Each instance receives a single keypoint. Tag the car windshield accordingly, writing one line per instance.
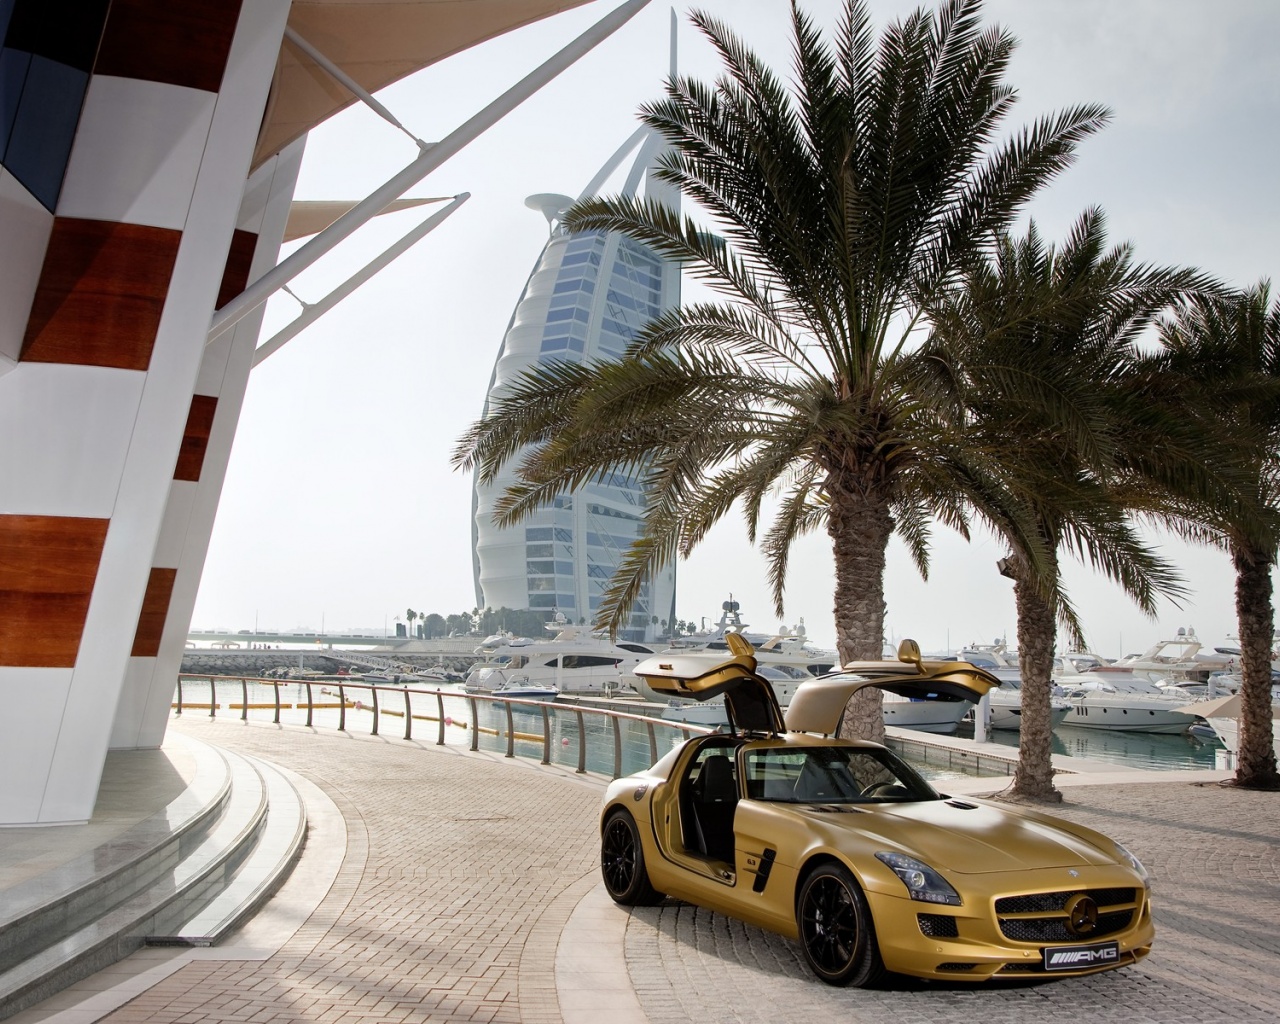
(832, 775)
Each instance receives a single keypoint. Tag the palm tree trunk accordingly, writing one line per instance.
(1257, 766)
(860, 532)
(1033, 778)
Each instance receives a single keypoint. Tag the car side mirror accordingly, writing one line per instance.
(909, 651)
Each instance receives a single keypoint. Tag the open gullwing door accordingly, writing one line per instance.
(817, 706)
(703, 675)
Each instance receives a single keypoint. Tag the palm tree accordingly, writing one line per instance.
(1036, 347)
(841, 206)
(1224, 352)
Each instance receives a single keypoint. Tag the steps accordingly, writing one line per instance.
(188, 874)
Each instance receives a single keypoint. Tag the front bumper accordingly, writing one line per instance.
(967, 943)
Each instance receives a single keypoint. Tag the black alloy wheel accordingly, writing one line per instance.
(622, 863)
(836, 933)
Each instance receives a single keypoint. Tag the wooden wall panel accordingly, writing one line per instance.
(48, 566)
(236, 274)
(195, 438)
(175, 43)
(101, 292)
(155, 609)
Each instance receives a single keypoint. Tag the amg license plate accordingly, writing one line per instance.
(1073, 958)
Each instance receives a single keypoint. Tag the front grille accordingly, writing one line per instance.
(1054, 929)
(1050, 902)
(938, 926)
(1116, 908)
(956, 968)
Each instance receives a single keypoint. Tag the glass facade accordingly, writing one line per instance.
(588, 297)
(46, 57)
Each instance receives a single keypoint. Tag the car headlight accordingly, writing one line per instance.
(1134, 863)
(922, 882)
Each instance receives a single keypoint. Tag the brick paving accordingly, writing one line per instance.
(462, 872)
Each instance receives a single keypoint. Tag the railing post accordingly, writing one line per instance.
(178, 713)
(310, 704)
(213, 697)
(342, 709)
(582, 742)
(373, 692)
(275, 689)
(244, 699)
(617, 747)
(408, 716)
(440, 707)
(475, 725)
(511, 732)
(653, 742)
(546, 734)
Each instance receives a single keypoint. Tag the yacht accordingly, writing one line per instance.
(1006, 702)
(1176, 661)
(1124, 701)
(573, 662)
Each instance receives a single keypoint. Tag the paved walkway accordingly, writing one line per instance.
(442, 885)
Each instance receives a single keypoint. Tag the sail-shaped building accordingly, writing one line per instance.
(588, 296)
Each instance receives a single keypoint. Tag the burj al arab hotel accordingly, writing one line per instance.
(587, 297)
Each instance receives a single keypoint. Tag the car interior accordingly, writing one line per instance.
(709, 798)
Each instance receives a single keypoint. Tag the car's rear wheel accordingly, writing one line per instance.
(622, 862)
(836, 932)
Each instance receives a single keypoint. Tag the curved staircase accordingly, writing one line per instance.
(187, 874)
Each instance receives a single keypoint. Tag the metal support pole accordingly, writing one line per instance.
(213, 697)
(511, 732)
(313, 311)
(546, 735)
(475, 725)
(342, 709)
(178, 712)
(440, 706)
(350, 84)
(310, 704)
(373, 692)
(408, 716)
(244, 699)
(285, 271)
(617, 747)
(653, 743)
(275, 687)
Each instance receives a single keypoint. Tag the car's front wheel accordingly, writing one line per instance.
(622, 862)
(836, 931)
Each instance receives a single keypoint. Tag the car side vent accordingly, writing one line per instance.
(962, 805)
(837, 809)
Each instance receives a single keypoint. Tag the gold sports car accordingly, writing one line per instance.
(841, 845)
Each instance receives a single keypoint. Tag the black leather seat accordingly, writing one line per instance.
(715, 798)
(819, 783)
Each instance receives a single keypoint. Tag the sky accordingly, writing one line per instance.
(341, 509)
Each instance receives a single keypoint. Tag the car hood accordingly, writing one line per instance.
(972, 838)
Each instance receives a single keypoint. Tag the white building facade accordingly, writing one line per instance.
(148, 156)
(588, 296)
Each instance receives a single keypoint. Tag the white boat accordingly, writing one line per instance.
(1180, 660)
(1005, 703)
(523, 689)
(1123, 701)
(573, 661)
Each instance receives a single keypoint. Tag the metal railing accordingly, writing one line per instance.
(384, 700)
